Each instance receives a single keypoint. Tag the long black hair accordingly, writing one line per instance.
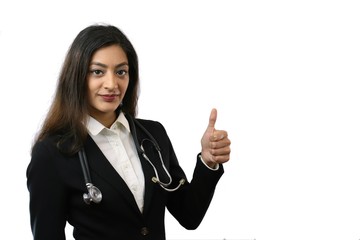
(69, 108)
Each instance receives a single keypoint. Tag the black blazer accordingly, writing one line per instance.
(56, 185)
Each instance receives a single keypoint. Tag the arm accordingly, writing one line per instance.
(190, 204)
(47, 195)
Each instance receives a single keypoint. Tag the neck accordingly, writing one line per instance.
(106, 119)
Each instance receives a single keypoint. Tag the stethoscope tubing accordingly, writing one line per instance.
(141, 151)
(95, 195)
(84, 166)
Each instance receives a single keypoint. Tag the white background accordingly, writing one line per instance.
(284, 76)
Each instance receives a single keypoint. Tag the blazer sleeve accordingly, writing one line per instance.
(47, 194)
(190, 203)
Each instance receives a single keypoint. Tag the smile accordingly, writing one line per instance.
(109, 97)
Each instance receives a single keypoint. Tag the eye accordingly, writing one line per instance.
(96, 72)
(121, 72)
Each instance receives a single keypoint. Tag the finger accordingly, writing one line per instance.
(212, 119)
(220, 144)
(218, 135)
(225, 150)
(221, 159)
(223, 144)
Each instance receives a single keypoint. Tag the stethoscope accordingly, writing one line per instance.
(94, 194)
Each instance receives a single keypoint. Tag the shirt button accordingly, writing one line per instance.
(144, 231)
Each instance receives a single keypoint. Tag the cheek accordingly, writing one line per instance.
(92, 86)
(90, 90)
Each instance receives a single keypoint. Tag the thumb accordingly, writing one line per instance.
(212, 119)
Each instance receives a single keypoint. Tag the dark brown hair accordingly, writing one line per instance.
(69, 108)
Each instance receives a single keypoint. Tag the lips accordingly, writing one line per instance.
(109, 97)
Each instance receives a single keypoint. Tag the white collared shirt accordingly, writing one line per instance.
(118, 146)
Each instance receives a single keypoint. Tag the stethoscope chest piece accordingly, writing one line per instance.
(93, 195)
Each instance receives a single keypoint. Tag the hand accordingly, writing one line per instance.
(215, 144)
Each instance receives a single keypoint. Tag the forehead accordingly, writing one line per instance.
(110, 54)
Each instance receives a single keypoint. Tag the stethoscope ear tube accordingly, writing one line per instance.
(141, 151)
(95, 195)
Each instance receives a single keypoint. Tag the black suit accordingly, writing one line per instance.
(56, 185)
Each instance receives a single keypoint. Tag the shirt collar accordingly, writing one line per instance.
(95, 127)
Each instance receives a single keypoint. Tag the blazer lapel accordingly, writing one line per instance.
(99, 165)
(149, 184)
(146, 167)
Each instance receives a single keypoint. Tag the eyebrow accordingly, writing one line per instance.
(105, 66)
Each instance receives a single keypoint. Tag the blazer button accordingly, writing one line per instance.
(144, 231)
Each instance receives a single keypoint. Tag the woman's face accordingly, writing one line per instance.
(108, 79)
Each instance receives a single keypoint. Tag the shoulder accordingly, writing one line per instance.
(155, 128)
(46, 151)
(45, 144)
(43, 155)
(150, 124)
(47, 159)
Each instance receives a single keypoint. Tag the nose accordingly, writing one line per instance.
(110, 82)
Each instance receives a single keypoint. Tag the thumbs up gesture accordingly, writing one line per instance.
(215, 144)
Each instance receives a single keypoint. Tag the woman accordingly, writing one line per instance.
(93, 116)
